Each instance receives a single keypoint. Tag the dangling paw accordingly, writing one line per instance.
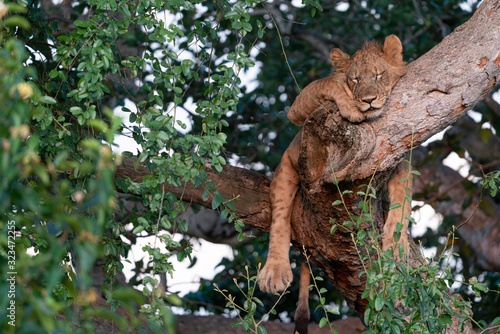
(275, 276)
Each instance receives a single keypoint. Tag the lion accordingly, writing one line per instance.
(360, 87)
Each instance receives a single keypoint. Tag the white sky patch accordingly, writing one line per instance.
(298, 3)
(467, 5)
(437, 136)
(476, 116)
(425, 217)
(249, 77)
(496, 96)
(456, 163)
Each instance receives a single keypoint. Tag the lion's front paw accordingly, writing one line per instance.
(351, 113)
(275, 276)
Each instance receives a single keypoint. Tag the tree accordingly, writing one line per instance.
(73, 76)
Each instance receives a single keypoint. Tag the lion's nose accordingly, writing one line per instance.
(368, 99)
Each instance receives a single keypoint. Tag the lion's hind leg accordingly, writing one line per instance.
(399, 187)
(277, 274)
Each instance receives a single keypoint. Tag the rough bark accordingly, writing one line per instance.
(439, 87)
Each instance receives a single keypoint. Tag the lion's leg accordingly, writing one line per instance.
(311, 98)
(302, 314)
(397, 194)
(276, 274)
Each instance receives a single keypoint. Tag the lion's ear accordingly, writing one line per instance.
(393, 50)
(340, 59)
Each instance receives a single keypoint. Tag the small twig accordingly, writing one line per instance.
(457, 183)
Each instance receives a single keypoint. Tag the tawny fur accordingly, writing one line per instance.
(302, 313)
(398, 186)
(359, 86)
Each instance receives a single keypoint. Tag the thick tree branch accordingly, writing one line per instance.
(250, 190)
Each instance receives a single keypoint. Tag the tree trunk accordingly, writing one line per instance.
(439, 87)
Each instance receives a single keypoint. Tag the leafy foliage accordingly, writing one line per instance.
(404, 294)
(58, 188)
(247, 311)
(57, 195)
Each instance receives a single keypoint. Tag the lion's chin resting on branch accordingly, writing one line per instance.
(359, 87)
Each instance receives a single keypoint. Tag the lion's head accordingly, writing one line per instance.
(370, 73)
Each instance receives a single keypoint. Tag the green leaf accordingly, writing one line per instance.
(143, 221)
(399, 227)
(184, 225)
(236, 25)
(236, 324)
(368, 315)
(17, 21)
(333, 311)
(48, 100)
(333, 229)
(82, 24)
(232, 15)
(247, 26)
(395, 206)
(26, 241)
(162, 135)
(395, 327)
(258, 301)
(76, 110)
(261, 330)
(379, 302)
(323, 322)
(53, 74)
(138, 229)
(481, 287)
(217, 200)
